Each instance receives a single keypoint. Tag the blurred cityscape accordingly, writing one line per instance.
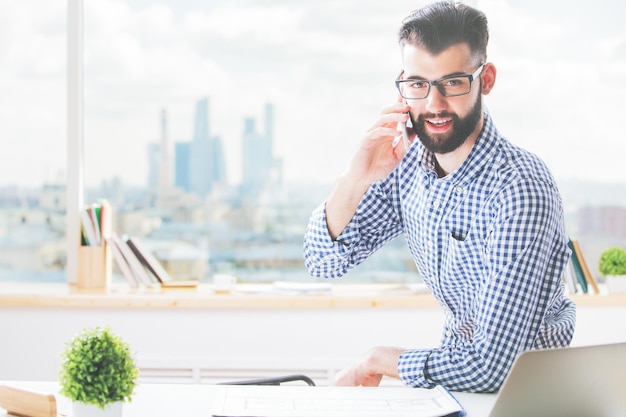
(190, 217)
(197, 224)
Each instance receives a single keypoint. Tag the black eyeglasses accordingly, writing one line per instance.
(454, 85)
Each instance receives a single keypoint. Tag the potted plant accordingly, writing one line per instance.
(98, 373)
(613, 267)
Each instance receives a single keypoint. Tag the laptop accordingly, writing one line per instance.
(585, 381)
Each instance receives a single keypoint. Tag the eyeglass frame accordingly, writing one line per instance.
(437, 83)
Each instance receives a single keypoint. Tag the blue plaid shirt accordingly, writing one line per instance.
(488, 240)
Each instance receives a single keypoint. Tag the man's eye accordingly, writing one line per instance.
(418, 84)
(453, 82)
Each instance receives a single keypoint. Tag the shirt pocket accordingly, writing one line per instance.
(461, 261)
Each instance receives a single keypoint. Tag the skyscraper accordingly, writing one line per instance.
(182, 151)
(158, 159)
(206, 156)
(269, 129)
(259, 167)
(165, 153)
(254, 155)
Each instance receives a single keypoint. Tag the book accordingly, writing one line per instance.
(568, 277)
(122, 263)
(591, 281)
(154, 266)
(92, 211)
(87, 228)
(137, 268)
(578, 272)
(106, 218)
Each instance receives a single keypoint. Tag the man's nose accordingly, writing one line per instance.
(436, 101)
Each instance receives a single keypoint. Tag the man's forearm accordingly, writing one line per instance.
(342, 204)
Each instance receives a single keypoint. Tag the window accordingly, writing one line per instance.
(208, 126)
(215, 128)
(32, 120)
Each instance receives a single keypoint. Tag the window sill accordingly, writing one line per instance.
(245, 296)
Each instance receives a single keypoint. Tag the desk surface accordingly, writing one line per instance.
(196, 400)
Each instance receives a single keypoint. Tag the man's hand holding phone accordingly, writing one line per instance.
(376, 157)
(378, 153)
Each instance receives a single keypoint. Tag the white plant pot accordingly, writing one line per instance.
(616, 284)
(90, 410)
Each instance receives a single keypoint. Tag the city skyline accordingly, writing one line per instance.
(327, 67)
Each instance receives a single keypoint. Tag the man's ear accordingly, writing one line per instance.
(489, 77)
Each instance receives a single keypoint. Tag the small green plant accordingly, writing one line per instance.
(98, 368)
(613, 261)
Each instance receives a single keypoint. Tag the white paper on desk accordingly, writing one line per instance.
(327, 401)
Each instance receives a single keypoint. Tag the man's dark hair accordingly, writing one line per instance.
(440, 25)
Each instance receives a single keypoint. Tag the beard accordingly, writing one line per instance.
(462, 128)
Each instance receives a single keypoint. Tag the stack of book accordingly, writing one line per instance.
(96, 223)
(139, 266)
(136, 264)
(578, 277)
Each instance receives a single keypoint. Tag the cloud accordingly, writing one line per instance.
(327, 66)
(313, 61)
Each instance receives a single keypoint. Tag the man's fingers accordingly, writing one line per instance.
(397, 107)
(389, 119)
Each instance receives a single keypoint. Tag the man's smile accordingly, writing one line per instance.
(439, 124)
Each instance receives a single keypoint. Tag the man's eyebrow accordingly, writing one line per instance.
(418, 77)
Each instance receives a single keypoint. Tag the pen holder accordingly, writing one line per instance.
(94, 267)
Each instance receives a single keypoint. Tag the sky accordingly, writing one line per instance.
(326, 66)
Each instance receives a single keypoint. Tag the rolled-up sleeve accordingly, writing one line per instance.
(323, 256)
(376, 222)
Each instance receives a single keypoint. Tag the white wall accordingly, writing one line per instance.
(207, 345)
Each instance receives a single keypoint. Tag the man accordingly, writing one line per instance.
(483, 218)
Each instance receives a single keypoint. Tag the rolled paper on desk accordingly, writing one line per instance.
(27, 403)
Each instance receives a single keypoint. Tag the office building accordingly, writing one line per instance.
(165, 174)
(259, 167)
(159, 171)
(182, 152)
(206, 156)
(199, 163)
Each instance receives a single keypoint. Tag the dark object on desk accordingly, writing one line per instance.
(27, 403)
(272, 381)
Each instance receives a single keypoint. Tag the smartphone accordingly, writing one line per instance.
(405, 133)
(405, 125)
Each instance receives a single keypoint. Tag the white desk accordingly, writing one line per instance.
(196, 400)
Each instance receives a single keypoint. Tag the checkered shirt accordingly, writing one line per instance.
(490, 243)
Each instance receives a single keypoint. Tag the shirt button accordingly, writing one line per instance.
(458, 189)
(449, 333)
(436, 204)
